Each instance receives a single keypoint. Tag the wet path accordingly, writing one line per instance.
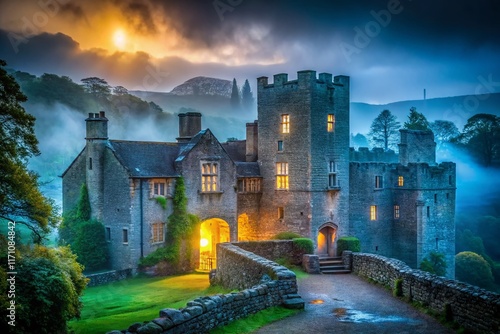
(348, 304)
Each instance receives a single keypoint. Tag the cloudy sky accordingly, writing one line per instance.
(391, 49)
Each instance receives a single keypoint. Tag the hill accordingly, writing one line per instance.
(200, 86)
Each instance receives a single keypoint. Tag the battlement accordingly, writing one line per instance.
(377, 154)
(306, 78)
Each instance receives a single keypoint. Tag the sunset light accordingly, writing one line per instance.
(119, 39)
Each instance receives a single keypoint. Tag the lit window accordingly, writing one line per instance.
(108, 234)
(401, 181)
(282, 175)
(396, 211)
(280, 145)
(249, 185)
(159, 188)
(125, 236)
(209, 177)
(285, 123)
(378, 182)
(331, 123)
(332, 175)
(373, 212)
(158, 232)
(281, 212)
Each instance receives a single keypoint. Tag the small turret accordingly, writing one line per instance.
(189, 126)
(97, 126)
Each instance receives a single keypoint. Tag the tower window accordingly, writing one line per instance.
(378, 182)
(280, 145)
(332, 175)
(401, 181)
(428, 212)
(330, 125)
(125, 236)
(209, 177)
(435, 198)
(285, 123)
(396, 211)
(282, 175)
(373, 212)
(447, 196)
(108, 234)
(281, 212)
(90, 163)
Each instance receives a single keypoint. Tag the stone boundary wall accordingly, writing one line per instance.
(108, 277)
(470, 306)
(265, 284)
(274, 249)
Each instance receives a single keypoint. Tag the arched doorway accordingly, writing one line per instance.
(326, 240)
(212, 232)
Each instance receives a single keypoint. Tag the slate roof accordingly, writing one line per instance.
(247, 169)
(146, 159)
(236, 149)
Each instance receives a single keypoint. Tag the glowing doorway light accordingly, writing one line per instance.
(203, 242)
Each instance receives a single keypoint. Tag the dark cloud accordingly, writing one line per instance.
(139, 17)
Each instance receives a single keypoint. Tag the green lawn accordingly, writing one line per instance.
(120, 304)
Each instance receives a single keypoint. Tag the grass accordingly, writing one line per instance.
(255, 321)
(120, 304)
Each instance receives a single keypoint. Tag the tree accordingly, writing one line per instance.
(416, 121)
(20, 197)
(481, 136)
(444, 131)
(120, 90)
(97, 87)
(434, 263)
(473, 269)
(384, 130)
(235, 96)
(49, 284)
(247, 99)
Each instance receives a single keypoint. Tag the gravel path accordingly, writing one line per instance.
(348, 304)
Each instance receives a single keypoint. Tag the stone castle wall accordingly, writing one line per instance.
(377, 154)
(263, 283)
(274, 249)
(471, 307)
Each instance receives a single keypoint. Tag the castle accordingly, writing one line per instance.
(294, 172)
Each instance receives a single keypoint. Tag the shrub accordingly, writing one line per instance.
(91, 246)
(286, 236)
(472, 268)
(304, 244)
(434, 264)
(398, 288)
(162, 201)
(348, 243)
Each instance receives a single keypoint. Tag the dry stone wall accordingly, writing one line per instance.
(264, 284)
(471, 307)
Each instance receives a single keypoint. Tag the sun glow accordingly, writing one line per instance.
(119, 39)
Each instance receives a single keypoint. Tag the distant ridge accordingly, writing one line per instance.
(202, 86)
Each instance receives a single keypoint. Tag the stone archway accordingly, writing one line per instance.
(212, 232)
(326, 240)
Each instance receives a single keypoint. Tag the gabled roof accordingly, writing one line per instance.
(186, 148)
(247, 169)
(236, 149)
(146, 159)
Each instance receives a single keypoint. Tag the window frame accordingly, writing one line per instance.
(249, 185)
(125, 236)
(330, 123)
(108, 233)
(333, 182)
(397, 211)
(282, 179)
(285, 123)
(379, 182)
(373, 213)
(210, 178)
(157, 232)
(401, 181)
(281, 212)
(280, 145)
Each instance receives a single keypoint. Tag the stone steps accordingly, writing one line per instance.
(332, 265)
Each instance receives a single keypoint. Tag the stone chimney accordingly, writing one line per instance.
(252, 141)
(189, 126)
(97, 126)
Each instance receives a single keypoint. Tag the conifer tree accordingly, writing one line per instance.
(235, 96)
(416, 121)
(247, 99)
